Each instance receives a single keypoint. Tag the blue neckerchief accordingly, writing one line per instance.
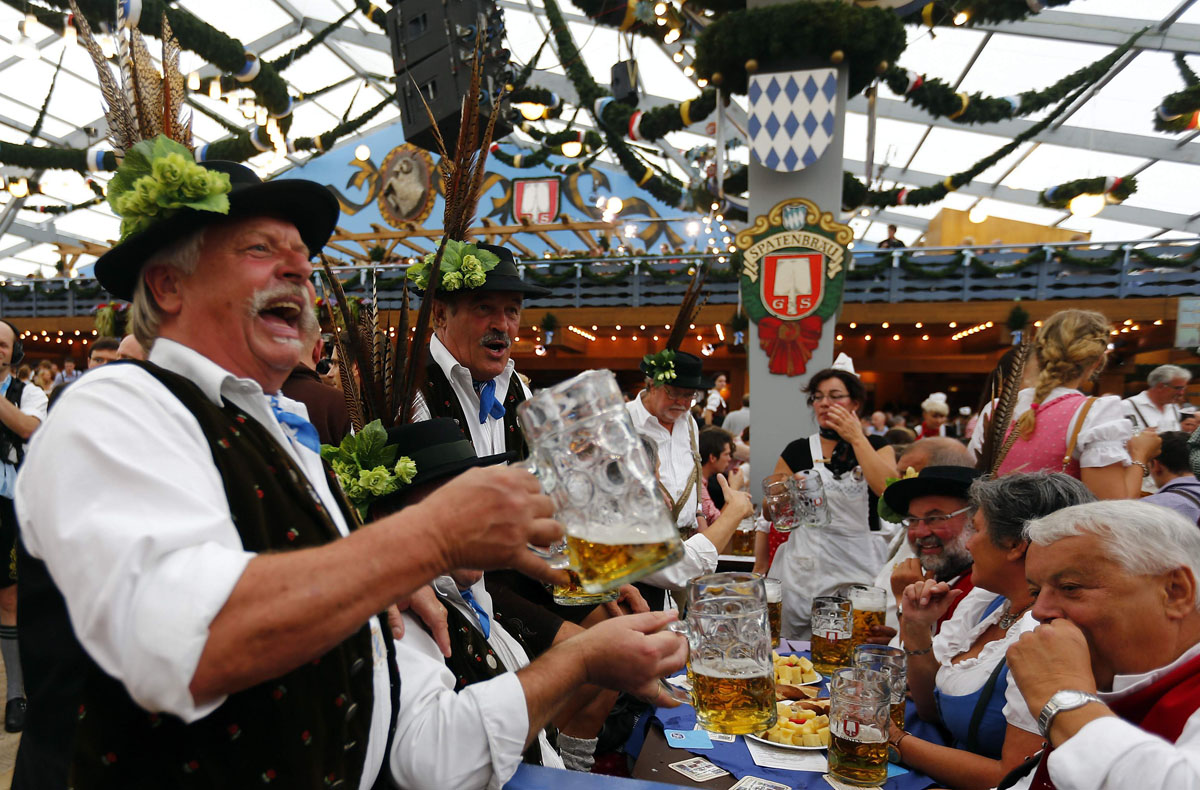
(488, 405)
(296, 427)
(485, 624)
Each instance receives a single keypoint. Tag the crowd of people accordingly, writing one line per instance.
(201, 607)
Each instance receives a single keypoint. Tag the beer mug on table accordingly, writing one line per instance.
(893, 663)
(774, 589)
(729, 653)
(780, 504)
(832, 629)
(591, 463)
(810, 496)
(858, 726)
(870, 609)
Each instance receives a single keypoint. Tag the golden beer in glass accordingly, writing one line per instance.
(573, 594)
(897, 714)
(856, 762)
(602, 567)
(859, 713)
(734, 698)
(869, 605)
(774, 608)
(832, 624)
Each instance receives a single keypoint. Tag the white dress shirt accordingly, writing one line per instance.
(488, 438)
(1112, 754)
(677, 451)
(471, 739)
(1142, 412)
(34, 404)
(120, 497)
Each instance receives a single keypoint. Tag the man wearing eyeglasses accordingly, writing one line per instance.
(1157, 406)
(936, 515)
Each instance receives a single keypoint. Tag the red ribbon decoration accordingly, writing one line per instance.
(789, 344)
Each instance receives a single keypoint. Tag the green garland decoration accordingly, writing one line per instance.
(550, 279)
(1179, 111)
(662, 120)
(36, 129)
(283, 61)
(1179, 262)
(668, 190)
(532, 94)
(941, 101)
(372, 12)
(991, 11)
(620, 276)
(868, 38)
(1060, 196)
(1185, 71)
(632, 16)
(524, 158)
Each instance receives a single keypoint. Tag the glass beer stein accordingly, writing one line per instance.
(729, 653)
(832, 628)
(892, 662)
(858, 726)
(810, 496)
(780, 503)
(591, 463)
(774, 589)
(869, 605)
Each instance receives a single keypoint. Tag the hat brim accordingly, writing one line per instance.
(311, 207)
(440, 472)
(496, 284)
(899, 495)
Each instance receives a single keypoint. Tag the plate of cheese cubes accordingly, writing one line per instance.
(794, 671)
(801, 726)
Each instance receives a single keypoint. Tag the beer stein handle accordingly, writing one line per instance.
(673, 691)
(556, 558)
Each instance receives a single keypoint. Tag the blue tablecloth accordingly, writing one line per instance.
(735, 757)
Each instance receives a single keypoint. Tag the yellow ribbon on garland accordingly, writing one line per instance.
(649, 174)
(948, 184)
(630, 15)
(966, 100)
(685, 112)
(927, 14)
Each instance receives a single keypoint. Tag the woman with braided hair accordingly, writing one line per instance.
(1059, 429)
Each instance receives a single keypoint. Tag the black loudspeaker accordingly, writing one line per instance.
(625, 82)
(433, 43)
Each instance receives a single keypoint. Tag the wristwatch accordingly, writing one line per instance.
(1067, 699)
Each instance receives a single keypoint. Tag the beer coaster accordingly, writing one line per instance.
(698, 769)
(688, 739)
(839, 785)
(789, 746)
(755, 783)
(721, 737)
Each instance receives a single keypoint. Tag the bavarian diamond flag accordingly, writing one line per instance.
(792, 117)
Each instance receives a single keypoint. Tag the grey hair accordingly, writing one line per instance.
(1010, 502)
(1164, 374)
(1144, 539)
(145, 316)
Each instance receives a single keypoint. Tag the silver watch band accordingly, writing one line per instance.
(1064, 700)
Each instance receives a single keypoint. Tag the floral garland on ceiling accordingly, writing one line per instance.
(1115, 190)
(941, 100)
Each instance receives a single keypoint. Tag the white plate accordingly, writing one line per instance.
(805, 683)
(790, 746)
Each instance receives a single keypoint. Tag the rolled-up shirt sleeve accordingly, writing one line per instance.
(120, 498)
(1112, 754)
(699, 557)
(470, 739)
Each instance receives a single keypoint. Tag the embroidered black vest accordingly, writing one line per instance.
(443, 402)
(305, 729)
(472, 660)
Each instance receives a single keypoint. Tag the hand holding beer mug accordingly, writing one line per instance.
(729, 653)
(832, 629)
(893, 663)
(780, 504)
(593, 466)
(858, 726)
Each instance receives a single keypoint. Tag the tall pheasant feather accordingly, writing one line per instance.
(997, 437)
(175, 124)
(147, 87)
(463, 173)
(687, 309)
(118, 111)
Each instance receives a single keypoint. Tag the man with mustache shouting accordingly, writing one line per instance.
(470, 375)
(207, 615)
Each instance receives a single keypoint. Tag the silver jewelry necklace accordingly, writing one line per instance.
(1008, 617)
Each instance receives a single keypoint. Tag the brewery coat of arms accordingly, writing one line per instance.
(792, 117)
(536, 198)
(793, 269)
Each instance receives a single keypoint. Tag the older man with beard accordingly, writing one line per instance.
(934, 504)
(205, 617)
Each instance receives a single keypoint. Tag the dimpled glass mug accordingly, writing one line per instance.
(591, 463)
(729, 653)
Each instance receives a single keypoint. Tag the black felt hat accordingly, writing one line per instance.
(439, 449)
(505, 277)
(932, 481)
(311, 207)
(689, 372)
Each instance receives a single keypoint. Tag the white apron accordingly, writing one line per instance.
(816, 562)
